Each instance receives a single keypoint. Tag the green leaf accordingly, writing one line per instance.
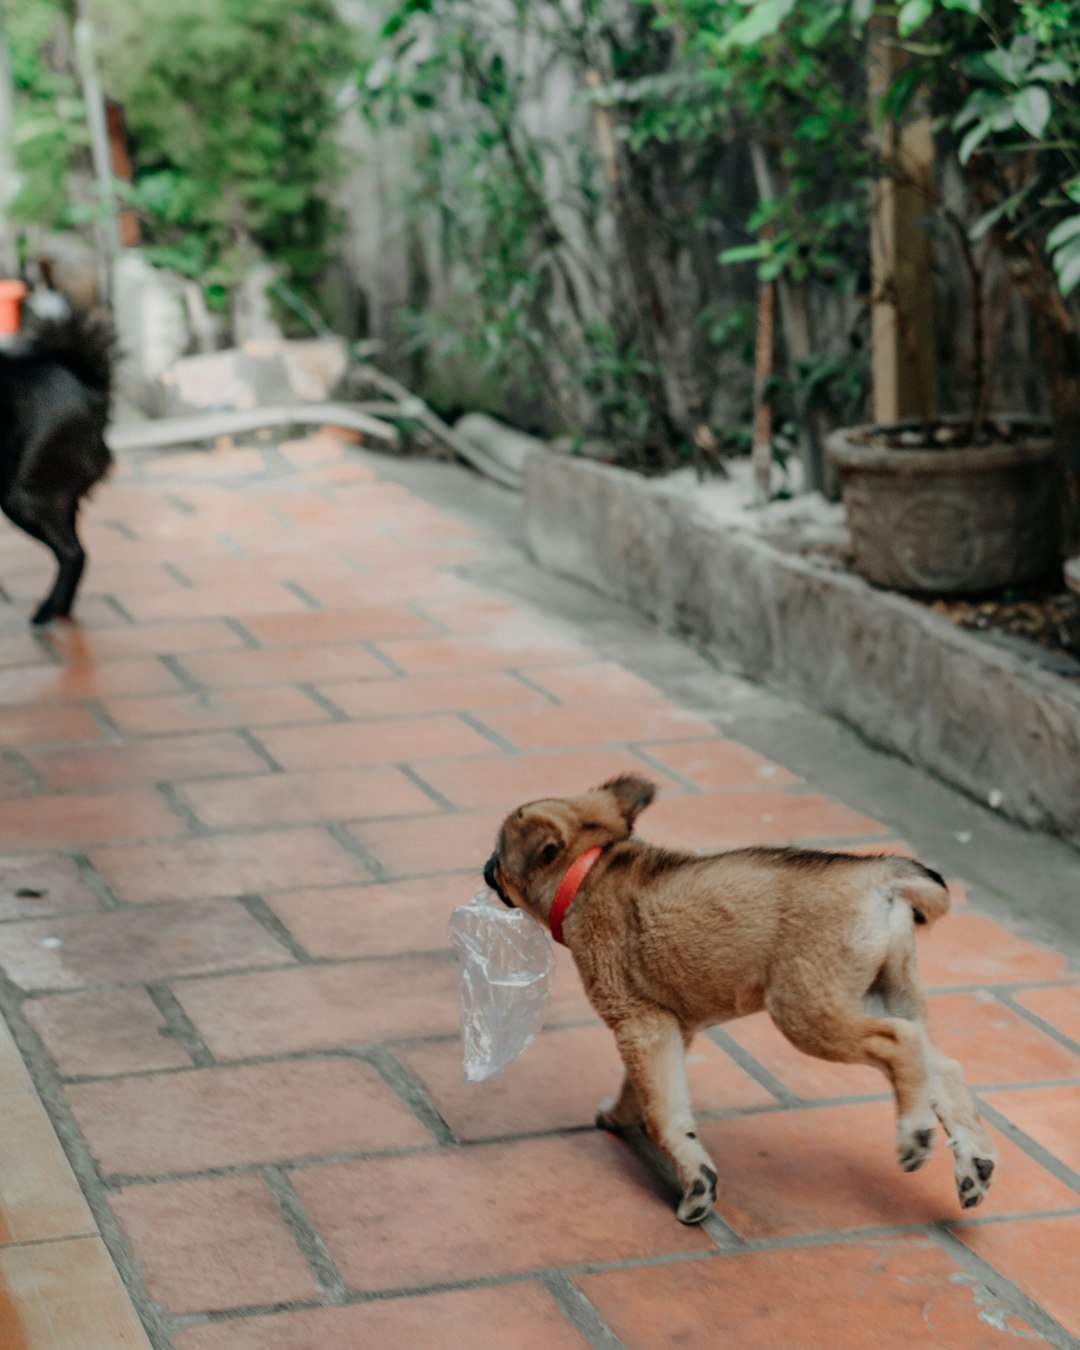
(968, 6)
(1072, 190)
(743, 253)
(913, 14)
(1051, 71)
(1031, 108)
(973, 140)
(1068, 272)
(1062, 233)
(764, 20)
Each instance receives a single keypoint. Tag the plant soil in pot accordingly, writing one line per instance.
(935, 515)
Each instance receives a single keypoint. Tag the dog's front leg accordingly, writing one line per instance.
(652, 1047)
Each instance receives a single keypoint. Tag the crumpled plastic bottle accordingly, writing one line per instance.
(506, 969)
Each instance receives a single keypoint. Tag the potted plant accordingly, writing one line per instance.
(976, 502)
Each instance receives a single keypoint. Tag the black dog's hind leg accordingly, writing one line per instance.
(52, 520)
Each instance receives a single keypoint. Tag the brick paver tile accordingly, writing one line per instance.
(156, 639)
(594, 681)
(35, 885)
(1050, 1115)
(209, 1244)
(108, 1031)
(21, 649)
(995, 1044)
(515, 646)
(507, 782)
(599, 723)
(54, 684)
(1059, 1007)
(476, 613)
(560, 1081)
(228, 864)
(717, 765)
(516, 1207)
(1037, 1254)
(256, 597)
(973, 949)
(415, 694)
(198, 712)
(282, 1012)
(359, 624)
(385, 920)
(431, 844)
(890, 1294)
(67, 821)
(234, 1117)
(395, 741)
(41, 726)
(315, 795)
(522, 1315)
(834, 1169)
(741, 819)
(126, 946)
(165, 759)
(315, 449)
(284, 665)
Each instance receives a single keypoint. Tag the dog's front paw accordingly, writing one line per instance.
(974, 1170)
(697, 1202)
(914, 1142)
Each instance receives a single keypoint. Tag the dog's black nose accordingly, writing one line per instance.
(492, 884)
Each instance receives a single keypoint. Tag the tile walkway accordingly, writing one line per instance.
(238, 802)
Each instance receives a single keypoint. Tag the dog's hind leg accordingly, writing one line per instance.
(950, 1097)
(835, 1031)
(651, 1043)
(52, 520)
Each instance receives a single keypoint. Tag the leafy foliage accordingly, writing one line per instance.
(592, 257)
(49, 137)
(231, 106)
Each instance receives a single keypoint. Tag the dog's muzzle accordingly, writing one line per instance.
(492, 884)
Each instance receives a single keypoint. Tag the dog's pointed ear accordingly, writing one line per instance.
(632, 795)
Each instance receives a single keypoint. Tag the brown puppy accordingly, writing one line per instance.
(668, 943)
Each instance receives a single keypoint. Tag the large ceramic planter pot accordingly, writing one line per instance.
(949, 521)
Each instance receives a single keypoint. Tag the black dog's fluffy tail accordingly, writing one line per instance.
(83, 343)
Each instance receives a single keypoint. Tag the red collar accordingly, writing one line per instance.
(568, 889)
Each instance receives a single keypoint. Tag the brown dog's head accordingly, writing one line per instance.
(539, 841)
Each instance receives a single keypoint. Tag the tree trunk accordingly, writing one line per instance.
(901, 256)
(761, 451)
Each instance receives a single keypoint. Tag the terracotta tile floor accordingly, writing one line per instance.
(238, 801)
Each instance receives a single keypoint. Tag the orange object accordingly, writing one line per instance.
(11, 298)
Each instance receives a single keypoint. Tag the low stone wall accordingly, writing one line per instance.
(983, 719)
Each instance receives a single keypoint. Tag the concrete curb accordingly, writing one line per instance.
(985, 720)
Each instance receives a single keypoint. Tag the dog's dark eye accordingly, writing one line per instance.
(549, 853)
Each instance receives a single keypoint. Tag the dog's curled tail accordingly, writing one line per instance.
(84, 343)
(923, 889)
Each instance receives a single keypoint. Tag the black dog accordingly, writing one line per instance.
(54, 403)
